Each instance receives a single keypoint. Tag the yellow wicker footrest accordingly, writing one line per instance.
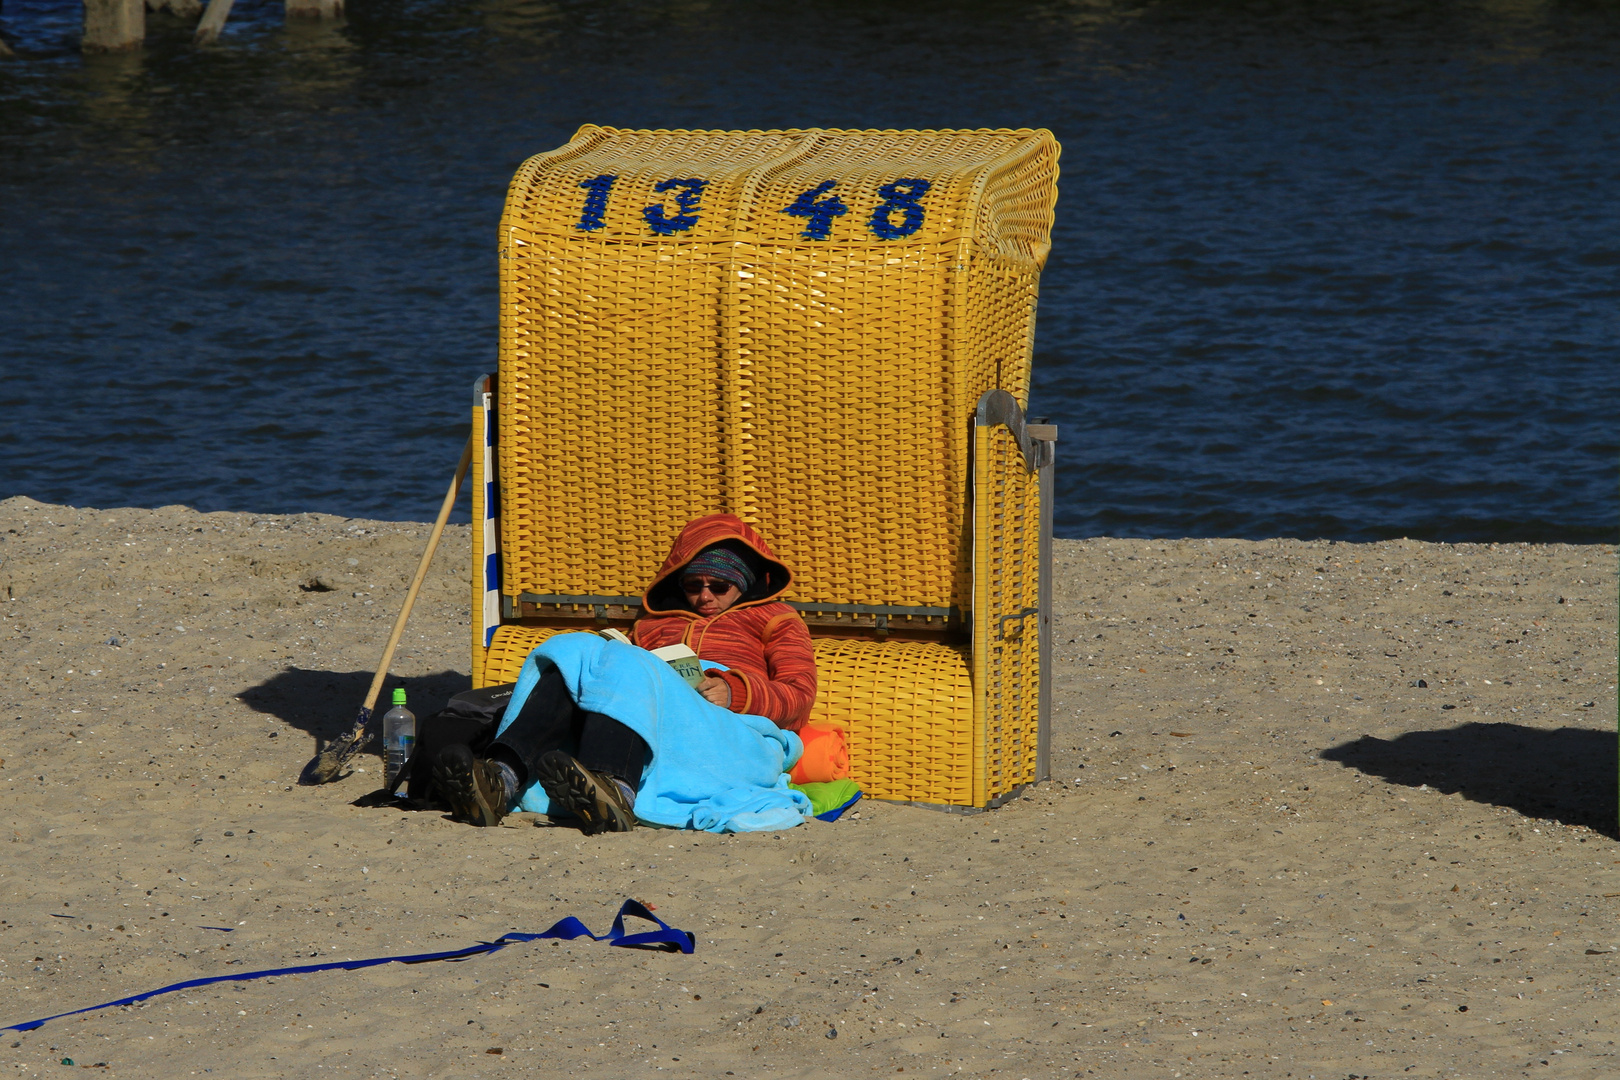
(511, 646)
(907, 712)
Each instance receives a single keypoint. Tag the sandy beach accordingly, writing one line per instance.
(1318, 810)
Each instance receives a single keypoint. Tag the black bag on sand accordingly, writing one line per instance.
(470, 719)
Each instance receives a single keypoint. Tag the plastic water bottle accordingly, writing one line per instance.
(399, 734)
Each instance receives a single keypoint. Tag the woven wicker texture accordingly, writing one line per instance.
(511, 646)
(1006, 501)
(907, 713)
(790, 325)
(906, 709)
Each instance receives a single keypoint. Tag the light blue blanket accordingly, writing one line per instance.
(711, 769)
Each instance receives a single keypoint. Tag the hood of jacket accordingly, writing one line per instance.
(771, 575)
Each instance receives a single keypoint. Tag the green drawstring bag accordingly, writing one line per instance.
(831, 799)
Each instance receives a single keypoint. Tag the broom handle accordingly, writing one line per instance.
(416, 582)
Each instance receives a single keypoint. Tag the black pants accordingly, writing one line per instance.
(550, 720)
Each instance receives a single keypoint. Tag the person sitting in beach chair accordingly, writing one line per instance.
(716, 593)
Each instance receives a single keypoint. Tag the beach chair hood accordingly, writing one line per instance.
(772, 576)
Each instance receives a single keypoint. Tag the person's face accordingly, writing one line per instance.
(708, 595)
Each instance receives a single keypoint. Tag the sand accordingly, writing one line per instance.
(1317, 810)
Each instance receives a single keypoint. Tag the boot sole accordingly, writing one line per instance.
(573, 790)
(457, 780)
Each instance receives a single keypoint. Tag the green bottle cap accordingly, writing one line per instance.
(399, 696)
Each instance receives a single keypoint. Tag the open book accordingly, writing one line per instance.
(678, 656)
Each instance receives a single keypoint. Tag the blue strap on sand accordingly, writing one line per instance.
(567, 929)
(571, 928)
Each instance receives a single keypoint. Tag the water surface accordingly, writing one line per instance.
(1323, 270)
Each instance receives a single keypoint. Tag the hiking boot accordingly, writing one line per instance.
(471, 785)
(599, 801)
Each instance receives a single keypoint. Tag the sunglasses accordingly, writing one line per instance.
(694, 586)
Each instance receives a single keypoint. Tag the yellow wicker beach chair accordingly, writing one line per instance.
(827, 333)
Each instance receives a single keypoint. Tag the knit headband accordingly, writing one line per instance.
(724, 564)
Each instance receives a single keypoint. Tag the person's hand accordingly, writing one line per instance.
(715, 690)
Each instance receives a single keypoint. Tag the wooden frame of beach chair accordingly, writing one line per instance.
(829, 334)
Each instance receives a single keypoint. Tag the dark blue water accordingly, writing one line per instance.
(1321, 269)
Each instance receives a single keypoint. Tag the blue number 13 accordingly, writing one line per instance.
(592, 215)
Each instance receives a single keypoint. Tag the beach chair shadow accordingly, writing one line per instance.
(324, 703)
(1567, 775)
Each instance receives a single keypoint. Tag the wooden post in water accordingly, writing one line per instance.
(213, 21)
(314, 9)
(185, 9)
(113, 25)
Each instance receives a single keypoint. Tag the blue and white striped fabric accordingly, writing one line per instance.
(492, 551)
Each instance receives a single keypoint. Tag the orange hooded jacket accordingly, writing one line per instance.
(761, 640)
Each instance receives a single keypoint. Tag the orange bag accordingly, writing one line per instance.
(825, 756)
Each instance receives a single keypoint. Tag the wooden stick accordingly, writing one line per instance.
(416, 582)
(213, 21)
(327, 765)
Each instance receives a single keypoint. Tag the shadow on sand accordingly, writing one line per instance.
(1566, 775)
(325, 703)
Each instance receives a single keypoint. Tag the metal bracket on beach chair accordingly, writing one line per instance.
(1035, 441)
(1019, 618)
